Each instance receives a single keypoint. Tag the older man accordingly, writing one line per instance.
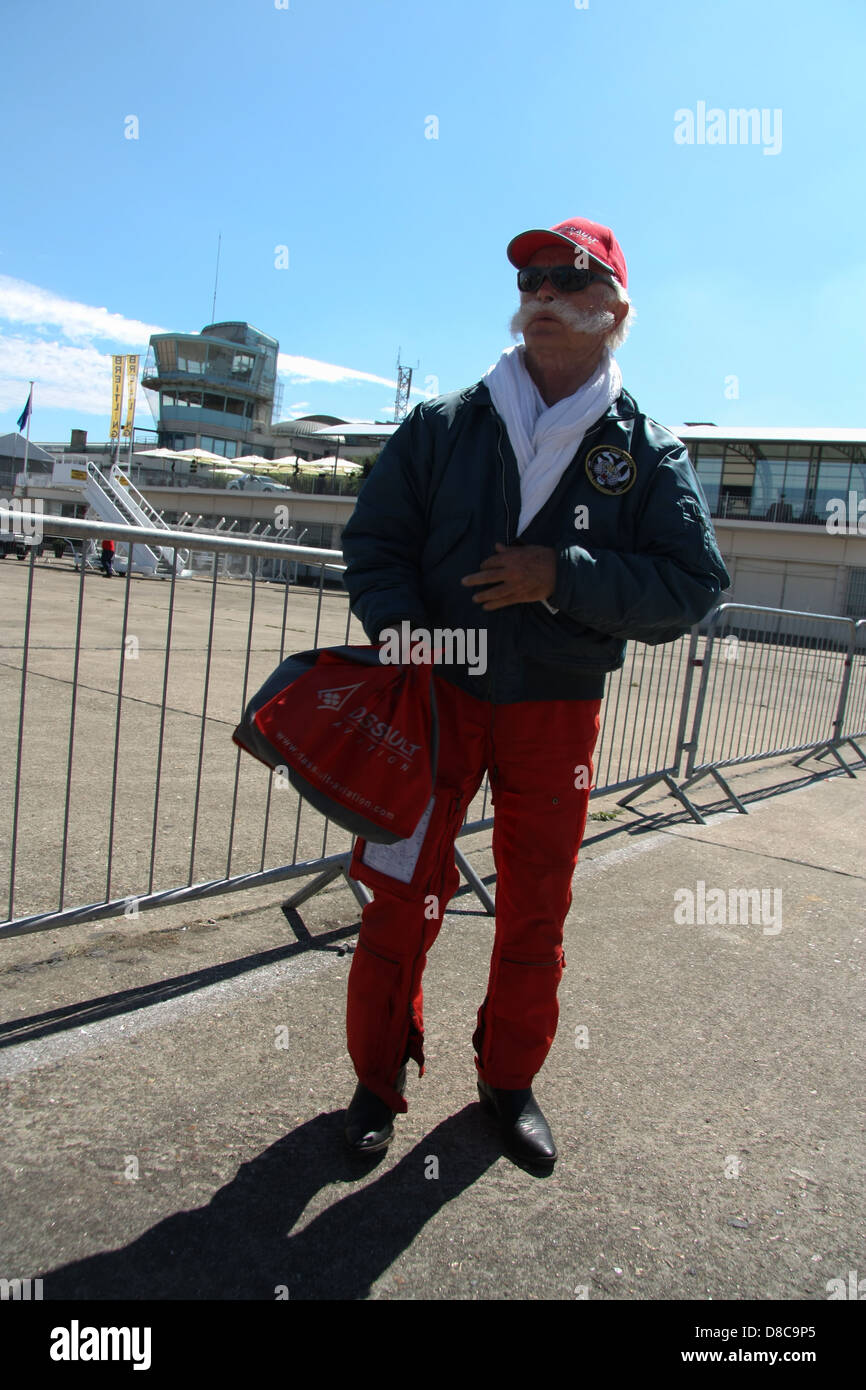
(541, 507)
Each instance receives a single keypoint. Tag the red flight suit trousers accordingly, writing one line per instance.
(539, 757)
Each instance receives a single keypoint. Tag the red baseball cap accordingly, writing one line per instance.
(598, 242)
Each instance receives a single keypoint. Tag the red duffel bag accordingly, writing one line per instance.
(358, 739)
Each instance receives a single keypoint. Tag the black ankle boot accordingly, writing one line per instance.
(523, 1129)
(369, 1121)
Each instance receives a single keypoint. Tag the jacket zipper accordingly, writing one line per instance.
(507, 521)
(504, 490)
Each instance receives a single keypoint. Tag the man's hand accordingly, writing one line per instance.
(518, 574)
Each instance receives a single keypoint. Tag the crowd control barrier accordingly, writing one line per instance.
(773, 682)
(123, 791)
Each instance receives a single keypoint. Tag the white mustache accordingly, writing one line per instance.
(580, 320)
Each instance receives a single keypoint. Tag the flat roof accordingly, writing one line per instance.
(756, 434)
(355, 428)
(256, 348)
(806, 434)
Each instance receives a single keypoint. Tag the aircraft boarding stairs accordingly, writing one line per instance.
(113, 497)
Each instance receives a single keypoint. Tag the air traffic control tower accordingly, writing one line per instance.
(212, 390)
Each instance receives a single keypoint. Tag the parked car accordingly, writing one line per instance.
(19, 546)
(254, 482)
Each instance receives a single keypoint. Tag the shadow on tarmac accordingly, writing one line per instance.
(241, 1246)
(13, 1032)
(125, 1001)
(87, 1011)
(659, 820)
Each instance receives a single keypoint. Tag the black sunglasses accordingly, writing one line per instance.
(566, 278)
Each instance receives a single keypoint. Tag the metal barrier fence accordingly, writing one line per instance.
(773, 682)
(854, 719)
(133, 781)
(127, 793)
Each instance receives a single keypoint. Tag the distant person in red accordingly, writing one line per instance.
(108, 558)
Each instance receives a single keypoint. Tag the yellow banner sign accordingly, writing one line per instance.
(131, 384)
(116, 394)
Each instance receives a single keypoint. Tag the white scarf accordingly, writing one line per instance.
(546, 438)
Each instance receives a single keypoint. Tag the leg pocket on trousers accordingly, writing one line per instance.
(541, 828)
(375, 1007)
(525, 995)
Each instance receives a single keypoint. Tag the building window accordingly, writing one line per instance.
(226, 448)
(738, 480)
(193, 363)
(165, 356)
(855, 604)
(834, 478)
(183, 398)
(707, 459)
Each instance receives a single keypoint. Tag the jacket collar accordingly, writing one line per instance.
(623, 408)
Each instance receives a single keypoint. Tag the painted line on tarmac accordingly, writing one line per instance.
(613, 858)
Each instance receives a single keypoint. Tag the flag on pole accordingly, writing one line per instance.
(116, 393)
(25, 414)
(131, 383)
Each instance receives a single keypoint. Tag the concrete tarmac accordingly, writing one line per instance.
(173, 1085)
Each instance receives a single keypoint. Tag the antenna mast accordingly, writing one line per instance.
(404, 383)
(215, 278)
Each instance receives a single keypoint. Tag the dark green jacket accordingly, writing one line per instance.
(446, 487)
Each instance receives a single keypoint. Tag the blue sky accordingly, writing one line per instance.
(307, 127)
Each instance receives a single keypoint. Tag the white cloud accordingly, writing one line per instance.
(28, 304)
(76, 375)
(67, 378)
(303, 369)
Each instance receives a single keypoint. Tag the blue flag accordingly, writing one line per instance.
(25, 414)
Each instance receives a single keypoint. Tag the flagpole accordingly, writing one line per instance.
(27, 440)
